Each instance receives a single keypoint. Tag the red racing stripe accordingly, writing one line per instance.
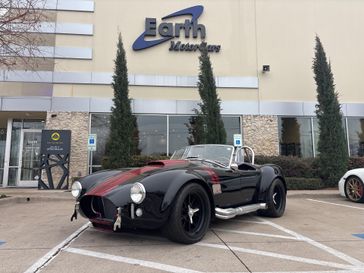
(115, 181)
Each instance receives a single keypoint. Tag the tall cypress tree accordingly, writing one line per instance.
(333, 157)
(210, 127)
(123, 139)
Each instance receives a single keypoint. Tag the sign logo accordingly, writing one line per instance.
(168, 31)
(91, 143)
(55, 136)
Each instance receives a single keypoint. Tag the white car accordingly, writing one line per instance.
(351, 185)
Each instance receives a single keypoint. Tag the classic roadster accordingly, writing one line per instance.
(184, 194)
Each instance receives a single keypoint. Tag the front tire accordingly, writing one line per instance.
(190, 216)
(276, 200)
(354, 189)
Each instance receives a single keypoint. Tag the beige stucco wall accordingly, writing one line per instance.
(280, 33)
(285, 33)
(251, 32)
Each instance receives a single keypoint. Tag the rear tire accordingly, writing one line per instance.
(354, 189)
(276, 200)
(190, 216)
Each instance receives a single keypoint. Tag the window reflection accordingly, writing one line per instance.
(152, 134)
(356, 136)
(178, 132)
(232, 126)
(100, 125)
(295, 136)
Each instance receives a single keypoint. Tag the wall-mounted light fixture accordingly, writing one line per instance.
(266, 68)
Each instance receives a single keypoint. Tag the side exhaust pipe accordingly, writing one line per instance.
(232, 212)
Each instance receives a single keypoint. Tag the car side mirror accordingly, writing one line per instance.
(234, 166)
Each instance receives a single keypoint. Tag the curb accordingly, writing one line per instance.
(314, 193)
(31, 199)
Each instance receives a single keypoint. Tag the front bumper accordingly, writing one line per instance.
(341, 185)
(104, 214)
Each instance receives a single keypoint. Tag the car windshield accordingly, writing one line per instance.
(219, 153)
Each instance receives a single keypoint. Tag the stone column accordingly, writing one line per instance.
(78, 123)
(261, 133)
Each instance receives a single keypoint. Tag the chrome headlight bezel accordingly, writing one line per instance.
(137, 193)
(76, 189)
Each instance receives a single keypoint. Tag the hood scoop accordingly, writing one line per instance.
(164, 163)
(157, 163)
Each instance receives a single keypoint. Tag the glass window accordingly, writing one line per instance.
(15, 142)
(356, 136)
(33, 124)
(178, 132)
(179, 135)
(2, 152)
(100, 125)
(295, 136)
(316, 134)
(232, 126)
(152, 134)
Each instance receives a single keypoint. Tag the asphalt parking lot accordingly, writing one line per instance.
(318, 233)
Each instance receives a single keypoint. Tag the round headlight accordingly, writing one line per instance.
(76, 189)
(137, 193)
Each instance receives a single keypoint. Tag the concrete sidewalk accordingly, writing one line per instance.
(20, 195)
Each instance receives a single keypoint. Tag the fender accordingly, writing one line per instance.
(170, 182)
(269, 173)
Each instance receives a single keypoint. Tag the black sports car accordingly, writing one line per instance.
(184, 194)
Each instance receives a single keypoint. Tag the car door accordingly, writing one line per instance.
(237, 187)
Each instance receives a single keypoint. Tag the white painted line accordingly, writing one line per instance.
(335, 204)
(159, 266)
(54, 251)
(249, 221)
(336, 271)
(256, 233)
(278, 256)
(330, 250)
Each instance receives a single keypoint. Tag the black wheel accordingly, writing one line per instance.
(354, 189)
(276, 200)
(190, 216)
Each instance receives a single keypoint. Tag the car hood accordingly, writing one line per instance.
(134, 175)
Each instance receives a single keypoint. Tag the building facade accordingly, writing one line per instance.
(261, 52)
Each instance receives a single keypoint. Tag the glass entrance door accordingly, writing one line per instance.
(29, 157)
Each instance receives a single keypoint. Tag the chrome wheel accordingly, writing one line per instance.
(354, 189)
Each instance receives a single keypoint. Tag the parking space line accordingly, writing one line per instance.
(42, 262)
(335, 271)
(250, 221)
(339, 271)
(279, 256)
(154, 265)
(330, 250)
(257, 234)
(334, 204)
